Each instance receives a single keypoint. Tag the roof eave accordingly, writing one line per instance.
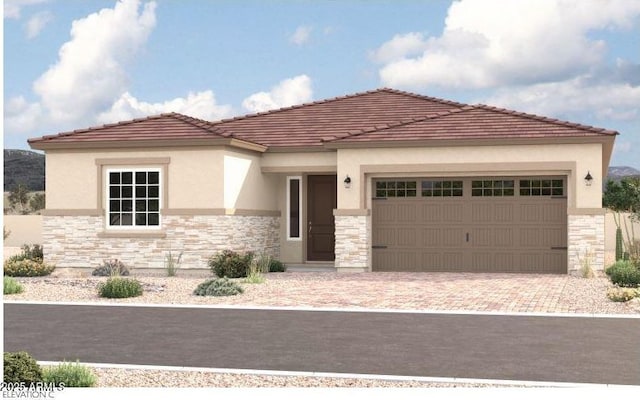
(477, 141)
(104, 144)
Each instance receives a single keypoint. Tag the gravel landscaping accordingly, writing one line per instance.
(411, 291)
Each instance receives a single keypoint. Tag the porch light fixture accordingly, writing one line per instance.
(347, 182)
(588, 179)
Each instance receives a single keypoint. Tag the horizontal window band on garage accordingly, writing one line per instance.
(171, 211)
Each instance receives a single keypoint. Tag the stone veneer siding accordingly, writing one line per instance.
(72, 241)
(586, 240)
(353, 243)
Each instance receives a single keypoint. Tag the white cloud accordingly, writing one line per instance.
(199, 105)
(288, 92)
(401, 46)
(301, 35)
(89, 74)
(21, 116)
(493, 42)
(37, 23)
(622, 147)
(613, 101)
(13, 8)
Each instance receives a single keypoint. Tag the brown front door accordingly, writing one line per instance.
(321, 201)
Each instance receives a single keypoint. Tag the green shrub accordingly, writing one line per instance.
(29, 252)
(113, 267)
(230, 264)
(276, 266)
(622, 294)
(218, 287)
(11, 286)
(119, 288)
(21, 367)
(71, 374)
(624, 273)
(27, 267)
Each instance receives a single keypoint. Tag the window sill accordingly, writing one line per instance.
(132, 234)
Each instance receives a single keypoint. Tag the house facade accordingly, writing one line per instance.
(376, 181)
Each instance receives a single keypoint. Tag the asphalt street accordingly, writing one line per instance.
(530, 348)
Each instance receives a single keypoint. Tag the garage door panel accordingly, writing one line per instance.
(515, 232)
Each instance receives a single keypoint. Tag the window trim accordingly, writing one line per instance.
(107, 192)
(288, 215)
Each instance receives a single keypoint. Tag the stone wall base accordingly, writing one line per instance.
(73, 242)
(353, 243)
(586, 242)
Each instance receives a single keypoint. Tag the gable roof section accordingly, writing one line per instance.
(383, 116)
(167, 128)
(473, 122)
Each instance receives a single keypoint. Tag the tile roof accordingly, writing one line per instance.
(382, 115)
(164, 126)
(479, 121)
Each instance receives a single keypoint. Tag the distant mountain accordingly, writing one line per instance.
(617, 173)
(23, 166)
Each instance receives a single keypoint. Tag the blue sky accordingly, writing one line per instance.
(72, 64)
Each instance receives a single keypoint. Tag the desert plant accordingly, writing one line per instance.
(37, 202)
(276, 266)
(172, 263)
(112, 267)
(119, 288)
(11, 286)
(218, 287)
(586, 270)
(230, 264)
(71, 374)
(619, 244)
(27, 268)
(258, 266)
(624, 273)
(20, 367)
(29, 252)
(622, 294)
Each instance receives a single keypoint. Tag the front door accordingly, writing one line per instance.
(322, 199)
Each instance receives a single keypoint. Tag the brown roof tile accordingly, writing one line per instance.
(380, 115)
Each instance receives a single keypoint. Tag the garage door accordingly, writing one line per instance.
(470, 224)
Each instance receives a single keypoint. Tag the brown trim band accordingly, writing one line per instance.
(132, 235)
(586, 211)
(300, 169)
(478, 141)
(220, 211)
(72, 212)
(351, 212)
(133, 161)
(129, 144)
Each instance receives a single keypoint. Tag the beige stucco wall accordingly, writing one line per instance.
(574, 160)
(300, 162)
(195, 176)
(245, 186)
(25, 229)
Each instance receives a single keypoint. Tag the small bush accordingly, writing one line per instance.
(276, 266)
(624, 273)
(27, 267)
(119, 288)
(622, 294)
(21, 367)
(29, 252)
(11, 286)
(218, 287)
(71, 374)
(113, 267)
(230, 264)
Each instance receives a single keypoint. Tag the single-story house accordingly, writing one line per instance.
(383, 180)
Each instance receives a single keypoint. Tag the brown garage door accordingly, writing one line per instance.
(470, 224)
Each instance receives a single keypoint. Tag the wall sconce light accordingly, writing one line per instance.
(347, 182)
(588, 179)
